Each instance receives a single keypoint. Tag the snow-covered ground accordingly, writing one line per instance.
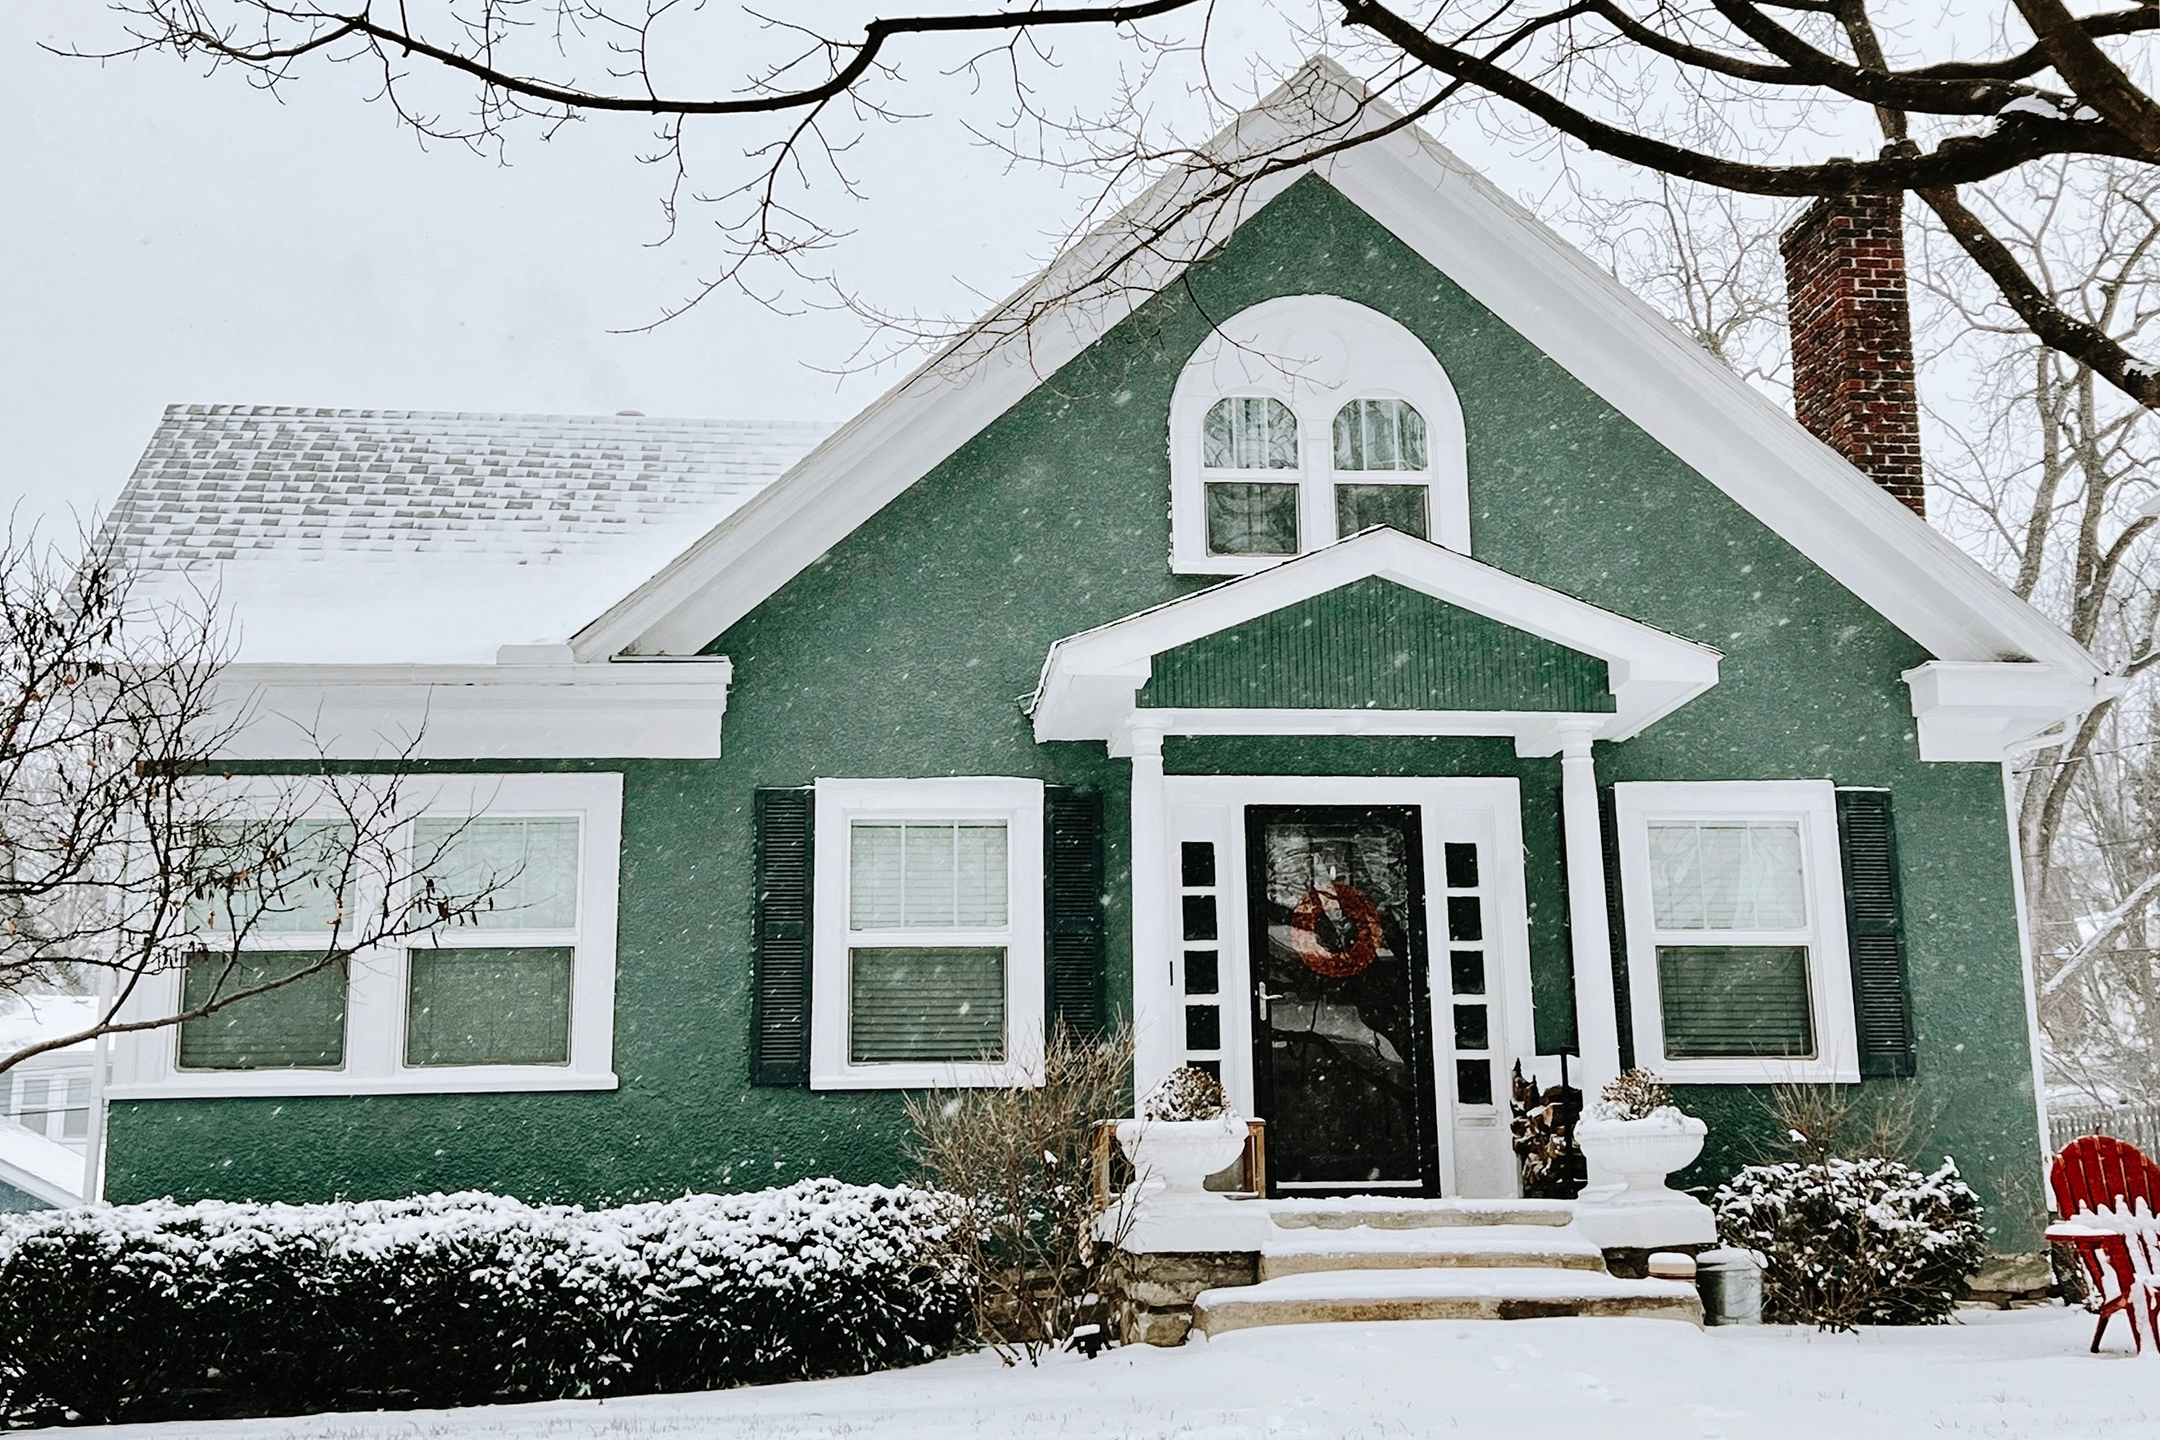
(2016, 1374)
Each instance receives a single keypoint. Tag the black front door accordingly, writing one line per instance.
(1342, 1051)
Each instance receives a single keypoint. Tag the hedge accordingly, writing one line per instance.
(164, 1311)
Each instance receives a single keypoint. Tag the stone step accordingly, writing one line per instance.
(1441, 1293)
(1486, 1247)
(1380, 1212)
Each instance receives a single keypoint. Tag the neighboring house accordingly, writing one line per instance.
(45, 1110)
(1388, 655)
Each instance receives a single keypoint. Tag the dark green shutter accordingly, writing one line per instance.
(780, 994)
(1072, 907)
(1876, 925)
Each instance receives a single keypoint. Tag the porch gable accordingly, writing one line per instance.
(1375, 645)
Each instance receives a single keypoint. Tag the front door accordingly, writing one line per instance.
(1341, 1018)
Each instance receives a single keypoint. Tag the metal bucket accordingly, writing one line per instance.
(1731, 1285)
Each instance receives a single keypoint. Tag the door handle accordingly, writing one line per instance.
(1266, 998)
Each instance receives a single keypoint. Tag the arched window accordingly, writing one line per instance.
(1250, 517)
(1250, 432)
(1379, 435)
(1382, 442)
(1302, 421)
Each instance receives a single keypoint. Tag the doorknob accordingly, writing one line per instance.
(1266, 998)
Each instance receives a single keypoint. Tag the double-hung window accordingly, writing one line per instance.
(1736, 944)
(928, 963)
(495, 989)
(515, 992)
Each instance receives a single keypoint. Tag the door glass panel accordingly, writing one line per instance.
(1465, 919)
(1340, 1041)
(1468, 967)
(1199, 917)
(1203, 973)
(1470, 1027)
(1197, 864)
(1473, 1082)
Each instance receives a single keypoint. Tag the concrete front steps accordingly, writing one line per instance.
(1385, 1259)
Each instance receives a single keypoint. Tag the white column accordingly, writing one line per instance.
(1597, 1027)
(1154, 927)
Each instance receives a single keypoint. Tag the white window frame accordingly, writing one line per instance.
(1314, 354)
(146, 1064)
(1812, 804)
(838, 806)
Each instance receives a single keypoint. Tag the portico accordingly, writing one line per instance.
(1349, 952)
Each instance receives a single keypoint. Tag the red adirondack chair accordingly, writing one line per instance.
(2099, 1173)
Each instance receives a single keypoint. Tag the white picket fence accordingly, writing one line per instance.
(2138, 1124)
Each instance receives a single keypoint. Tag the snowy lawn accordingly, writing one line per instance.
(2015, 1374)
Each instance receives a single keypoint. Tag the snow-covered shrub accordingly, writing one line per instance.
(1635, 1094)
(165, 1311)
(1186, 1093)
(1855, 1242)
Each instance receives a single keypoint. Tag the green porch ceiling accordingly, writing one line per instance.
(1377, 645)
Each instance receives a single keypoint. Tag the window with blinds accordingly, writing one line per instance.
(296, 1024)
(271, 878)
(1729, 901)
(499, 992)
(929, 934)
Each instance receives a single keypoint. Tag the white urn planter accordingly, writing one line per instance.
(1175, 1157)
(1170, 1208)
(1642, 1211)
(1641, 1152)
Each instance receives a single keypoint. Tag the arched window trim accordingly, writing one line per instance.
(1363, 355)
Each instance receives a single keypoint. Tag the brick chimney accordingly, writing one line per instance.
(1852, 337)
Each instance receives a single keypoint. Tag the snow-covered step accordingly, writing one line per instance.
(1380, 1212)
(1441, 1293)
(1299, 1251)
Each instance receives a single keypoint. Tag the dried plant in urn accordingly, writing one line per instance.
(1186, 1093)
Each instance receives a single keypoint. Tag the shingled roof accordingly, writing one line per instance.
(406, 535)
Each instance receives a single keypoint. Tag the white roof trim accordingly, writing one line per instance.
(1985, 712)
(1505, 258)
(41, 1168)
(533, 704)
(1091, 681)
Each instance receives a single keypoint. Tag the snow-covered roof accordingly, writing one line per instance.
(416, 537)
(27, 1019)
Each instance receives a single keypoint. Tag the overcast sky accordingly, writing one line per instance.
(169, 238)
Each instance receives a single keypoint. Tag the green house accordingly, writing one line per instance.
(1361, 646)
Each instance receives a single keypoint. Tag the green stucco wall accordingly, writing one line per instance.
(908, 650)
(1373, 644)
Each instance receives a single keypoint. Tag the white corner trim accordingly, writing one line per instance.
(1981, 711)
(837, 805)
(1813, 805)
(1503, 257)
(145, 1063)
(1090, 681)
(1314, 354)
(522, 707)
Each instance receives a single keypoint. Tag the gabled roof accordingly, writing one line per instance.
(1091, 681)
(402, 536)
(1496, 251)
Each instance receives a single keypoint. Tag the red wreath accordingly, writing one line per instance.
(1349, 906)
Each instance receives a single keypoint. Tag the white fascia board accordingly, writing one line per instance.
(1983, 712)
(1091, 680)
(1501, 255)
(653, 710)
